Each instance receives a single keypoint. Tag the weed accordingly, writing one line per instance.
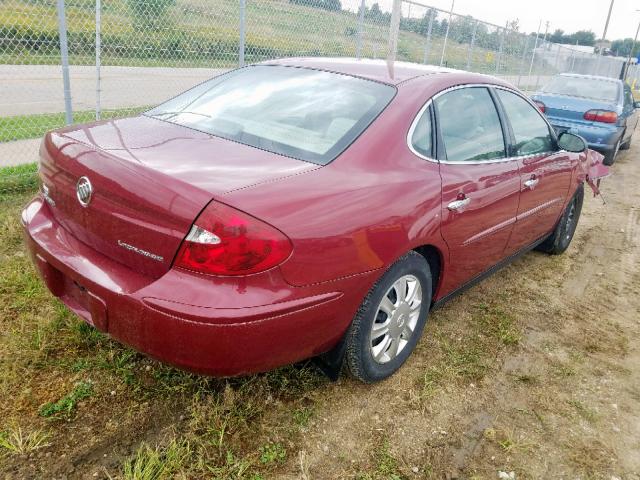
(302, 415)
(15, 441)
(272, 453)
(67, 404)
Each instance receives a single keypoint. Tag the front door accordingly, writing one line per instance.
(480, 185)
(545, 172)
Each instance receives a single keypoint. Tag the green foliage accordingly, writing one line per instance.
(272, 453)
(67, 404)
(331, 5)
(581, 37)
(149, 13)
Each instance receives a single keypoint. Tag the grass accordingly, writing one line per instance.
(157, 463)
(22, 127)
(16, 441)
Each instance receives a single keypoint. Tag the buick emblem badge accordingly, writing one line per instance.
(84, 191)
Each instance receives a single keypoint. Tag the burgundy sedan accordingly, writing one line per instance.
(300, 208)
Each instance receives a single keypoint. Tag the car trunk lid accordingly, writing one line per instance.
(572, 109)
(149, 180)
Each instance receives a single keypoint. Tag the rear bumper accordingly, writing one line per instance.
(211, 325)
(601, 137)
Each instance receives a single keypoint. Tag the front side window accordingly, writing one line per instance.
(307, 114)
(469, 125)
(531, 132)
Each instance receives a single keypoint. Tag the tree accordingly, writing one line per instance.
(558, 36)
(622, 47)
(582, 37)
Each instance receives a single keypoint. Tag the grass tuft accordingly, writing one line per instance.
(157, 463)
(16, 441)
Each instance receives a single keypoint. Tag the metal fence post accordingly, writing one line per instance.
(360, 30)
(427, 45)
(533, 52)
(499, 56)
(446, 35)
(241, 44)
(473, 40)
(64, 61)
(522, 60)
(545, 47)
(98, 52)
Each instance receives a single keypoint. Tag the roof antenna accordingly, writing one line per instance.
(393, 35)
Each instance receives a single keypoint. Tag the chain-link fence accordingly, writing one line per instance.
(74, 61)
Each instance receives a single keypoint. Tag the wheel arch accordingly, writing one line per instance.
(434, 258)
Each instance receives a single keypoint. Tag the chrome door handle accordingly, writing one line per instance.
(531, 183)
(458, 204)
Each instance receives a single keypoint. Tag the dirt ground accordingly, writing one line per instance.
(532, 374)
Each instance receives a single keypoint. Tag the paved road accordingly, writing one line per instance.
(33, 89)
(36, 89)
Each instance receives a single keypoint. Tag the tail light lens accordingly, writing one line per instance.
(603, 116)
(225, 241)
(541, 106)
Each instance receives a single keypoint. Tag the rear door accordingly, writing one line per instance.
(480, 185)
(545, 172)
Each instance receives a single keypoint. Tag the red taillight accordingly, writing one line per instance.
(541, 106)
(603, 116)
(225, 241)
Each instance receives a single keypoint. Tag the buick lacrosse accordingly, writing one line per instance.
(300, 208)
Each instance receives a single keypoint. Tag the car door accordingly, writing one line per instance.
(480, 185)
(629, 113)
(545, 172)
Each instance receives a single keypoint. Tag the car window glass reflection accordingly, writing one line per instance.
(529, 128)
(470, 125)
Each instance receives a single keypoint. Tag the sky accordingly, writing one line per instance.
(568, 15)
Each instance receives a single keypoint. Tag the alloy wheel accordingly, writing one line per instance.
(396, 319)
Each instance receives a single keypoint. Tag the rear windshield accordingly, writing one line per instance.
(591, 88)
(307, 114)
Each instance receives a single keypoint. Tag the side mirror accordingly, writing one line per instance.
(571, 143)
(636, 104)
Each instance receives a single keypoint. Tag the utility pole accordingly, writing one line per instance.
(606, 25)
(633, 45)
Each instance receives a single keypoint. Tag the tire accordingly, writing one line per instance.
(610, 156)
(561, 237)
(370, 356)
(626, 145)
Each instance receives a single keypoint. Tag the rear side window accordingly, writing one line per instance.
(469, 125)
(421, 136)
(531, 132)
(307, 114)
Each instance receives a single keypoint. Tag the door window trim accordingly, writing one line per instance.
(503, 118)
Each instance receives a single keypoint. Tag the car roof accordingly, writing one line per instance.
(365, 68)
(591, 77)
